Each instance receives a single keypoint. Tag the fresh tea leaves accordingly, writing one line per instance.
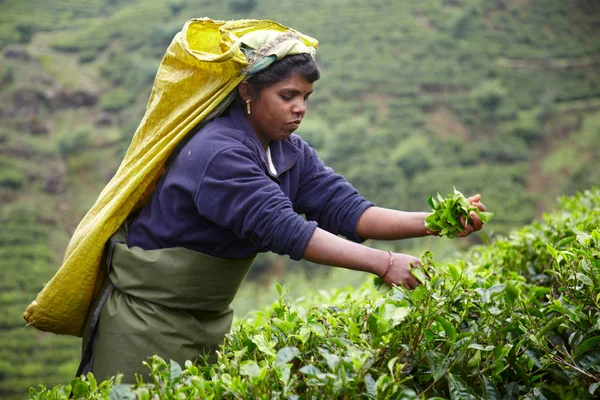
(447, 212)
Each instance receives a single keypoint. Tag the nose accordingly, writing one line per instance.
(299, 107)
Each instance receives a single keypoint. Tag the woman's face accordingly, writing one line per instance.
(279, 108)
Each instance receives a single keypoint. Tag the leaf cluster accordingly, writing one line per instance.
(515, 319)
(450, 212)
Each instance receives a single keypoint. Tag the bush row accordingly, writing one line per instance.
(517, 318)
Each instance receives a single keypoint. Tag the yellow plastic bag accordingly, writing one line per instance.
(203, 64)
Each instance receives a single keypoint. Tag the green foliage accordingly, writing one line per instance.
(574, 164)
(489, 95)
(116, 100)
(496, 185)
(517, 318)
(25, 31)
(451, 214)
(526, 126)
(512, 73)
(26, 354)
(504, 148)
(242, 6)
(176, 6)
(7, 76)
(10, 176)
(72, 143)
(413, 155)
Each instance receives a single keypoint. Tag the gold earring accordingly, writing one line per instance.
(248, 107)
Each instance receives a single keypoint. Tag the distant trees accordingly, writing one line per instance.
(242, 6)
(25, 31)
(489, 94)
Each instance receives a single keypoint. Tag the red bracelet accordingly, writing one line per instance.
(390, 263)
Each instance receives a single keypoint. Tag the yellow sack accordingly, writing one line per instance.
(203, 64)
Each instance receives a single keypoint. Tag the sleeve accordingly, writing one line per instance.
(327, 198)
(235, 193)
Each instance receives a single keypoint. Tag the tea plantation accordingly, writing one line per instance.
(519, 318)
(500, 97)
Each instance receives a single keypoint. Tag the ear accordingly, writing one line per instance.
(246, 90)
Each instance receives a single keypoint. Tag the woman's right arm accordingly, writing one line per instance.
(328, 249)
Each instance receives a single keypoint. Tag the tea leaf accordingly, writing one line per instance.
(454, 272)
(489, 391)
(175, 373)
(79, 388)
(310, 370)
(588, 359)
(588, 345)
(448, 328)
(447, 213)
(459, 390)
(332, 360)
(250, 368)
(317, 328)
(437, 363)
(263, 345)
(122, 392)
(371, 386)
(285, 355)
(543, 393)
(511, 392)
(584, 279)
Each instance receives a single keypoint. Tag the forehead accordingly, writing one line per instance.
(295, 82)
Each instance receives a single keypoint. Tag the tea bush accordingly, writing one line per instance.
(519, 318)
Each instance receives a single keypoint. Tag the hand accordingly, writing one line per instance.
(399, 273)
(475, 223)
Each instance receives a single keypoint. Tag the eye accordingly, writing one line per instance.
(286, 97)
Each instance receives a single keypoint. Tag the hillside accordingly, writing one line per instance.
(500, 97)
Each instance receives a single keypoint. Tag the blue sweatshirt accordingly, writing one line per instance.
(219, 198)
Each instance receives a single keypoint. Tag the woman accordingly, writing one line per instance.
(235, 188)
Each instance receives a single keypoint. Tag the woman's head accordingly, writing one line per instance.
(278, 95)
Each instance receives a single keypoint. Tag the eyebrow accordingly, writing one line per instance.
(294, 91)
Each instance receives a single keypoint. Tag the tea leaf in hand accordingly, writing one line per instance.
(447, 213)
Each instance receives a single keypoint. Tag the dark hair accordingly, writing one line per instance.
(302, 64)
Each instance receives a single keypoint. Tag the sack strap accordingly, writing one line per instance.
(87, 358)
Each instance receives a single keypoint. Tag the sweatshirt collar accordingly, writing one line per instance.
(283, 152)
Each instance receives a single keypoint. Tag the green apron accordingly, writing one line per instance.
(172, 302)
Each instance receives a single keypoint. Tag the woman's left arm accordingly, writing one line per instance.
(386, 224)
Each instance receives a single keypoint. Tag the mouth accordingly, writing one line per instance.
(295, 124)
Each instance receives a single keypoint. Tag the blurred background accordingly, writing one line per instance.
(498, 97)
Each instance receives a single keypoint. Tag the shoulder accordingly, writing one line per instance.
(218, 133)
(215, 140)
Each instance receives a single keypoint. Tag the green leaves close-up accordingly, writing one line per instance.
(451, 214)
(518, 318)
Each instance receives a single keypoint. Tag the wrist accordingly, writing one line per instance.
(390, 262)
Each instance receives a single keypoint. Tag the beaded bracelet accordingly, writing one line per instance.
(390, 263)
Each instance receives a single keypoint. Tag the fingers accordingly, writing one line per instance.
(476, 221)
(407, 271)
(476, 202)
(480, 206)
(412, 281)
(468, 230)
(475, 225)
(474, 199)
